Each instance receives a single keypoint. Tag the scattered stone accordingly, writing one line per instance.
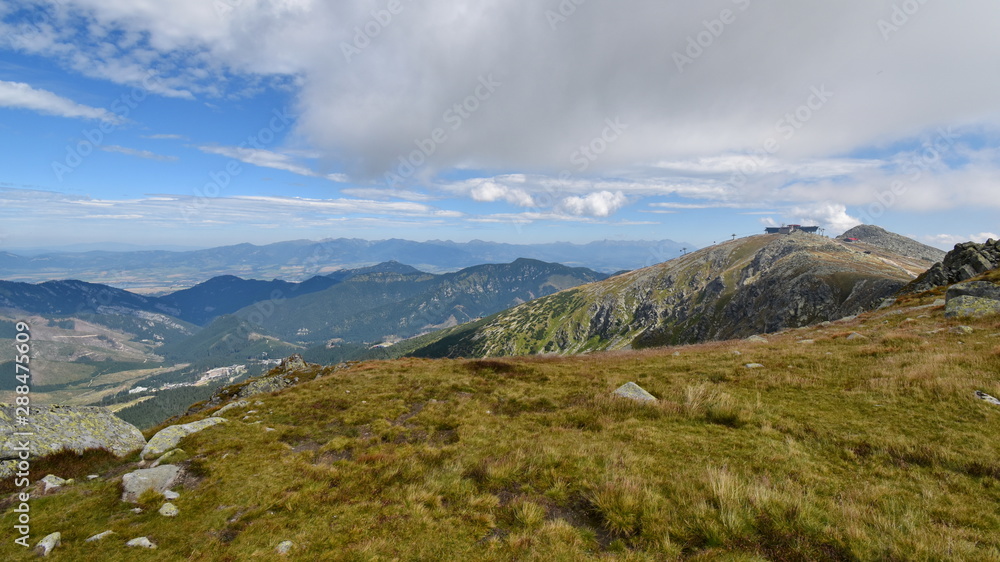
(231, 406)
(754, 366)
(677, 354)
(169, 510)
(939, 302)
(886, 303)
(807, 341)
(847, 318)
(987, 398)
(141, 542)
(962, 330)
(757, 339)
(51, 482)
(45, 546)
(93, 476)
(736, 352)
(55, 428)
(284, 547)
(269, 429)
(635, 392)
(826, 324)
(100, 536)
(171, 495)
(856, 336)
(167, 438)
(136, 510)
(159, 479)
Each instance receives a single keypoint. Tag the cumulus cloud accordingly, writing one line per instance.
(598, 204)
(830, 216)
(18, 95)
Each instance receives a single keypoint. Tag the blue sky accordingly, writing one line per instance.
(195, 123)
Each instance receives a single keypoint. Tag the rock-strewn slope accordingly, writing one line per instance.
(751, 285)
(892, 242)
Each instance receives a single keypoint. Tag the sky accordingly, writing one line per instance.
(201, 123)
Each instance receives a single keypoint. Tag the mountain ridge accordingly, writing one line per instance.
(752, 285)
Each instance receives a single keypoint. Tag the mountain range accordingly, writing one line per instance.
(162, 272)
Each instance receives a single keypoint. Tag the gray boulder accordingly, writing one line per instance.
(973, 298)
(51, 482)
(169, 510)
(159, 479)
(987, 398)
(284, 547)
(56, 428)
(45, 546)
(168, 438)
(141, 542)
(100, 536)
(635, 392)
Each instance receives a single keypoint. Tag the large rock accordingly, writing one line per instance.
(168, 438)
(55, 428)
(46, 545)
(635, 392)
(158, 479)
(973, 298)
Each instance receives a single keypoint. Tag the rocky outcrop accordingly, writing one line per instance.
(972, 298)
(168, 437)
(892, 242)
(966, 261)
(56, 428)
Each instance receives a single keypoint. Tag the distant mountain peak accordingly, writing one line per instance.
(896, 243)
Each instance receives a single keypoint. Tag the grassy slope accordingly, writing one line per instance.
(869, 449)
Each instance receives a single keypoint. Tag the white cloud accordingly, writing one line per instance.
(598, 204)
(383, 194)
(165, 137)
(948, 241)
(562, 83)
(270, 159)
(18, 95)
(831, 216)
(138, 153)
